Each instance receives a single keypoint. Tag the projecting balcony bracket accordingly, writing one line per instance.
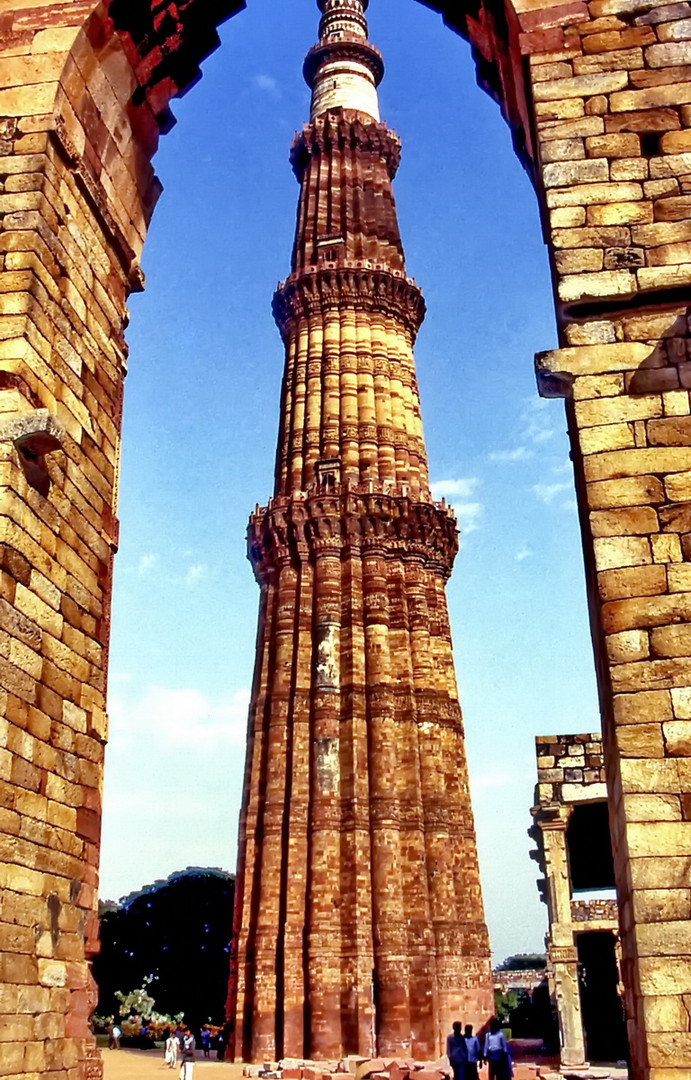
(34, 434)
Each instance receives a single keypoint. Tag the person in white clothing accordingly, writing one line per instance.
(171, 1050)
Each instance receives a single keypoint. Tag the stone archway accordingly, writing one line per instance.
(598, 96)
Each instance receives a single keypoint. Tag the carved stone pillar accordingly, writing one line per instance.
(561, 949)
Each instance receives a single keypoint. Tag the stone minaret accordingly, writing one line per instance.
(359, 925)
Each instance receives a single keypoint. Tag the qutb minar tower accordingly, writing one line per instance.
(359, 925)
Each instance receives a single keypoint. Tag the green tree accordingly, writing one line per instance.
(171, 939)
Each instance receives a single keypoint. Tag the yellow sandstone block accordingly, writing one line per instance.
(676, 403)
(641, 741)
(565, 217)
(660, 838)
(658, 872)
(638, 520)
(613, 410)
(606, 283)
(595, 386)
(657, 808)
(678, 486)
(621, 195)
(627, 646)
(610, 437)
(580, 86)
(598, 359)
(621, 145)
(626, 463)
(651, 98)
(664, 1013)
(629, 169)
(612, 552)
(681, 702)
(671, 640)
(677, 735)
(667, 549)
(570, 129)
(577, 260)
(658, 277)
(620, 213)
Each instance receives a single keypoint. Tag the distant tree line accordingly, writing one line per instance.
(174, 938)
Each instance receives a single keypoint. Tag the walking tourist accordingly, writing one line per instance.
(189, 1047)
(114, 1041)
(497, 1053)
(205, 1040)
(474, 1053)
(172, 1050)
(457, 1051)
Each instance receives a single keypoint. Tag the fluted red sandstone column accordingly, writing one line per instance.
(358, 904)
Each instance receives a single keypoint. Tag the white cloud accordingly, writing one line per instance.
(195, 574)
(535, 425)
(547, 493)
(523, 553)
(463, 487)
(183, 717)
(468, 515)
(519, 453)
(268, 84)
(146, 564)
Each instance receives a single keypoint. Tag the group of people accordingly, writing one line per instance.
(466, 1054)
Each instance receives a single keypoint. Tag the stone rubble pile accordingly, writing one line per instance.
(361, 1068)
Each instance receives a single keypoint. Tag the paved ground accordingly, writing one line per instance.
(149, 1065)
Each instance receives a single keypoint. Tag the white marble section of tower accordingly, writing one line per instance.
(344, 70)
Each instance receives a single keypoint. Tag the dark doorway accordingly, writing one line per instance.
(590, 847)
(603, 1015)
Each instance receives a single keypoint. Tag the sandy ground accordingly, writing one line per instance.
(149, 1065)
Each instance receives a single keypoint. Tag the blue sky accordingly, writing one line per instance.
(201, 416)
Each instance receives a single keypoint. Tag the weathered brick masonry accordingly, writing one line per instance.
(598, 97)
(359, 921)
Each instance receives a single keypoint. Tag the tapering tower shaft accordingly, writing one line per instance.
(358, 923)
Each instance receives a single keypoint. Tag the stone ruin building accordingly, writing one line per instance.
(359, 925)
(597, 97)
(575, 856)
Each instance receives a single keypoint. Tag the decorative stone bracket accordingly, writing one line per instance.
(556, 369)
(34, 435)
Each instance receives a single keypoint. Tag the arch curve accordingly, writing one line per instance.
(599, 103)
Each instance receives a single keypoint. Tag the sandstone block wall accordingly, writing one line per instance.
(76, 193)
(598, 99)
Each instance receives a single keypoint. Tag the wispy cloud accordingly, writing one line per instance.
(460, 491)
(536, 420)
(469, 515)
(267, 84)
(146, 565)
(534, 429)
(547, 493)
(462, 487)
(195, 573)
(523, 553)
(184, 716)
(519, 453)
